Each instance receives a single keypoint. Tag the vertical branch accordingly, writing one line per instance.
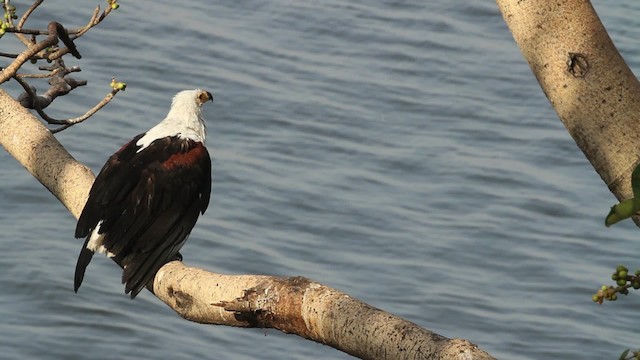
(592, 89)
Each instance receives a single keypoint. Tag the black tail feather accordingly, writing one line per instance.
(83, 260)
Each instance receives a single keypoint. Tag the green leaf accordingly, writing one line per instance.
(621, 211)
(624, 354)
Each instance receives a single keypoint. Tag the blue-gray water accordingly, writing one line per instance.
(399, 151)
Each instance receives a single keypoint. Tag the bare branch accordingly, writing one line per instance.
(10, 70)
(85, 116)
(32, 101)
(47, 49)
(60, 86)
(27, 42)
(96, 18)
(29, 101)
(54, 72)
(54, 32)
(8, 55)
(27, 13)
(19, 32)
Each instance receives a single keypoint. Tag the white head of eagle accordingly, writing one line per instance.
(149, 195)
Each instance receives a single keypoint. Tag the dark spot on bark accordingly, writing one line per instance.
(577, 64)
(183, 300)
(250, 318)
(298, 281)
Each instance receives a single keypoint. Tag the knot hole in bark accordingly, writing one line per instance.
(577, 64)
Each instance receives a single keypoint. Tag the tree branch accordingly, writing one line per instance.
(47, 49)
(23, 57)
(592, 89)
(70, 122)
(294, 305)
(23, 20)
(56, 32)
(28, 13)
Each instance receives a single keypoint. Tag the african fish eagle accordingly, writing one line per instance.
(148, 196)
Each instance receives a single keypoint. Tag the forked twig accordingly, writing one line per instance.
(36, 103)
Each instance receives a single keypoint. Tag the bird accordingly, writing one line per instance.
(148, 196)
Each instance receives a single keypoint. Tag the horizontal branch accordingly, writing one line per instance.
(308, 309)
(293, 305)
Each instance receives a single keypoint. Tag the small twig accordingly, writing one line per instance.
(54, 71)
(26, 31)
(104, 14)
(35, 104)
(79, 119)
(27, 13)
(96, 18)
(58, 63)
(41, 76)
(8, 55)
(26, 41)
(63, 127)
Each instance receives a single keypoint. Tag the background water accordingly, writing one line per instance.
(399, 151)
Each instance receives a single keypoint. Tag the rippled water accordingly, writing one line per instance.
(399, 151)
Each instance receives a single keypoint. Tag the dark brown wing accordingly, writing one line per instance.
(148, 203)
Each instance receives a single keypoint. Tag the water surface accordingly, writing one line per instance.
(401, 152)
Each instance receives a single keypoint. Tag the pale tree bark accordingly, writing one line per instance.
(293, 305)
(592, 89)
